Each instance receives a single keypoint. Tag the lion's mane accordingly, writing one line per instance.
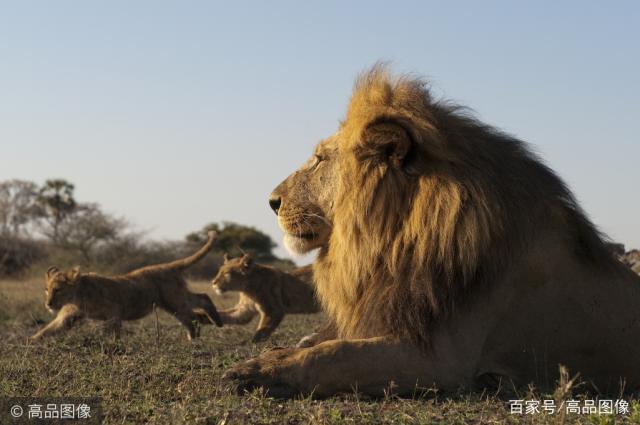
(411, 243)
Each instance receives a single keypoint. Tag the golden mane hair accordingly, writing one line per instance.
(415, 234)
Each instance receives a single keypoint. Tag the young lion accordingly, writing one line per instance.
(265, 290)
(132, 296)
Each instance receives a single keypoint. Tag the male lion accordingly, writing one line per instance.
(265, 290)
(449, 255)
(132, 296)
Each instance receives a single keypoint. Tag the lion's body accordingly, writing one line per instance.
(453, 256)
(127, 297)
(266, 291)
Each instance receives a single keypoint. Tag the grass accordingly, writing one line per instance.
(145, 379)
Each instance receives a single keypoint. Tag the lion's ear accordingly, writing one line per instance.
(387, 139)
(75, 273)
(51, 271)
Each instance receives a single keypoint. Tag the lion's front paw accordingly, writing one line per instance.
(271, 371)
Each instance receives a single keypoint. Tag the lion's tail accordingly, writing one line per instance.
(193, 258)
(182, 264)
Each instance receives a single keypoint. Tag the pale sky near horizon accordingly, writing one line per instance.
(175, 114)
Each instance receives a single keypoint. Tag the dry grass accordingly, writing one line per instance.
(143, 380)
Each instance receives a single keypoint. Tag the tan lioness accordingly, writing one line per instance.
(264, 290)
(449, 255)
(76, 295)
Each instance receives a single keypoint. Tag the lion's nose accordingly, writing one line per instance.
(274, 203)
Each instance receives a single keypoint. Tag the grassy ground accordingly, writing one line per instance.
(143, 378)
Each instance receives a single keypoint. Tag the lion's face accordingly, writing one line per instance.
(61, 288)
(233, 275)
(304, 201)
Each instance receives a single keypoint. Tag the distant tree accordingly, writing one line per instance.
(17, 254)
(18, 206)
(235, 239)
(57, 203)
(18, 211)
(87, 226)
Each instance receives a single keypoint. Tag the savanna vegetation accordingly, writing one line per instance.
(152, 374)
(45, 225)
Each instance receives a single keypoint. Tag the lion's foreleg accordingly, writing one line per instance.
(373, 366)
(241, 314)
(188, 319)
(66, 318)
(204, 302)
(202, 317)
(268, 323)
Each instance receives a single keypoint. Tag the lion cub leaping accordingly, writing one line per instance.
(265, 290)
(132, 296)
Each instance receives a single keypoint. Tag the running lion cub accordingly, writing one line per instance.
(264, 290)
(76, 295)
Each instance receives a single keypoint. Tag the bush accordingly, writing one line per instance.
(18, 254)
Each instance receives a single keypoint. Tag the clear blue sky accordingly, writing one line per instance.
(175, 114)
